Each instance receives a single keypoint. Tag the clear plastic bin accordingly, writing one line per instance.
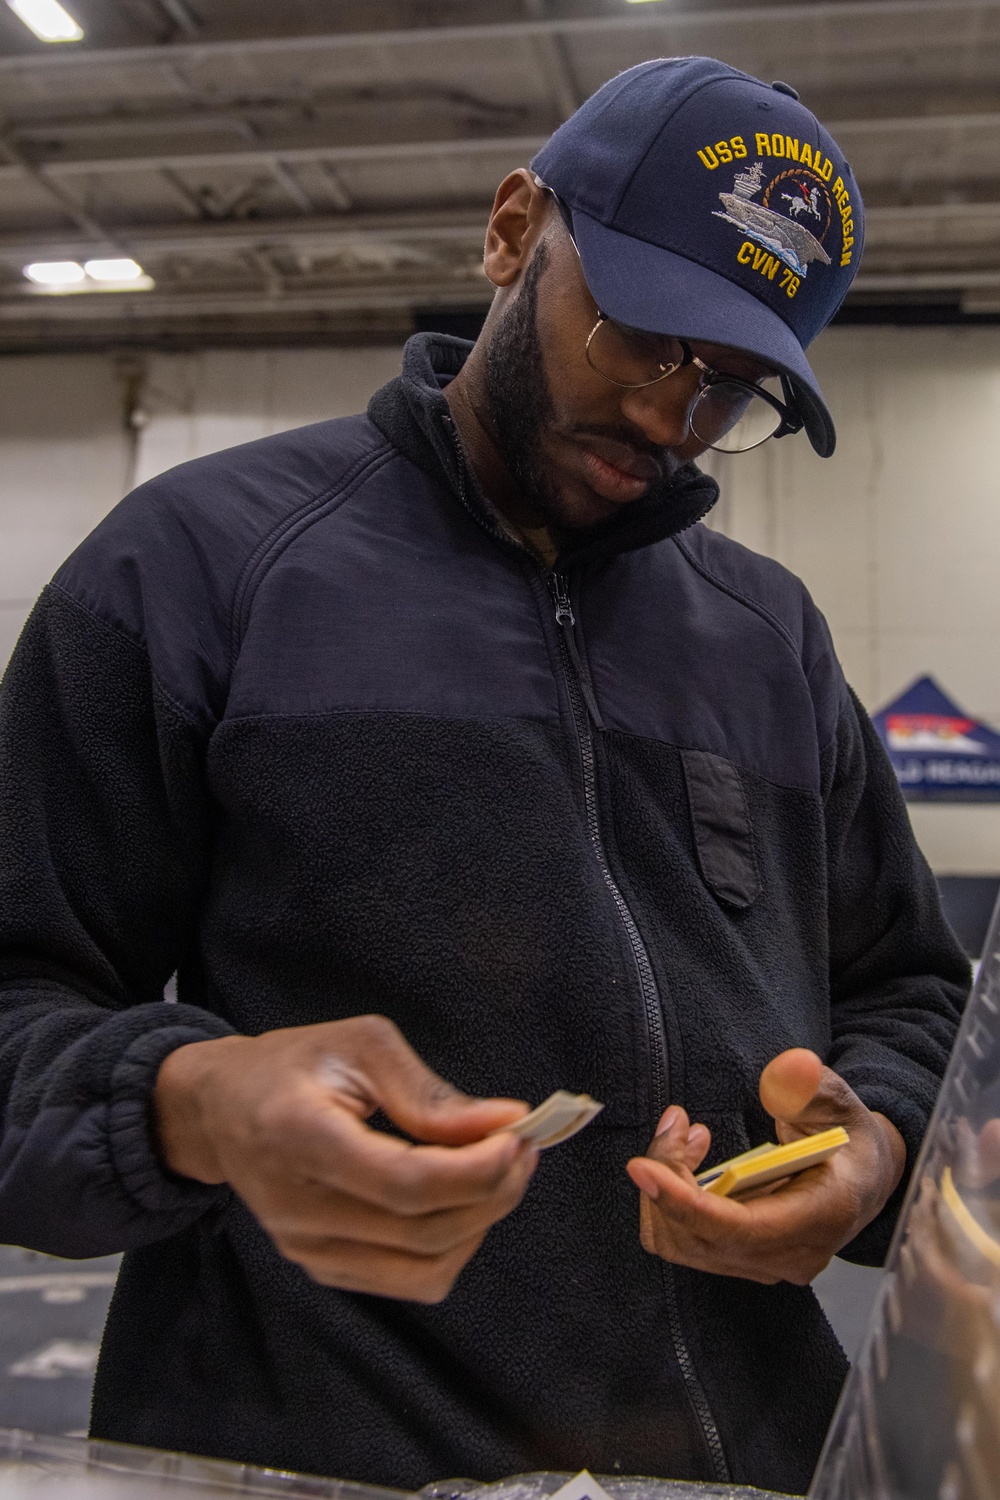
(60, 1468)
(920, 1414)
(55, 1468)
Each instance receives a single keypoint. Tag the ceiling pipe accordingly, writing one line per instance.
(820, 13)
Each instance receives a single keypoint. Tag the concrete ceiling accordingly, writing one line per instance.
(309, 168)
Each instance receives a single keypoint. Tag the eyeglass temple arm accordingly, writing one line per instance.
(792, 420)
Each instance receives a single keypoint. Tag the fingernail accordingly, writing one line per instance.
(668, 1121)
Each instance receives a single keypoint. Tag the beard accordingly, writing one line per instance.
(522, 411)
(518, 395)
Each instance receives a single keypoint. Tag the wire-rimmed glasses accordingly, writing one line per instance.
(728, 413)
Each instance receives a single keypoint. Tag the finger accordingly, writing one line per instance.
(801, 1209)
(310, 1213)
(340, 1151)
(381, 1272)
(416, 1098)
(699, 1142)
(679, 1143)
(656, 1177)
(670, 1143)
(790, 1082)
(688, 1226)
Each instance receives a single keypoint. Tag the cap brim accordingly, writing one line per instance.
(648, 287)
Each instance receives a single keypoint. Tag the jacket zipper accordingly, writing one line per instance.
(582, 704)
(586, 717)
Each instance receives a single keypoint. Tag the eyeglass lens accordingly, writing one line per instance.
(631, 356)
(731, 419)
(725, 416)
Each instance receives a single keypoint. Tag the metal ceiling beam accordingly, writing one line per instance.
(138, 308)
(234, 304)
(291, 185)
(648, 19)
(553, 60)
(335, 187)
(274, 158)
(914, 213)
(268, 156)
(319, 232)
(926, 281)
(98, 236)
(914, 124)
(181, 15)
(211, 236)
(235, 121)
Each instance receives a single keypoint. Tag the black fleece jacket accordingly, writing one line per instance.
(298, 721)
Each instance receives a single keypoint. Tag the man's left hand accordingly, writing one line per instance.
(788, 1232)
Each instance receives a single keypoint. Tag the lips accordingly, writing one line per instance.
(616, 471)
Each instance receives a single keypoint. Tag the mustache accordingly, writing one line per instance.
(621, 434)
(631, 437)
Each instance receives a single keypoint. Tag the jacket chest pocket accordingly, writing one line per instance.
(723, 833)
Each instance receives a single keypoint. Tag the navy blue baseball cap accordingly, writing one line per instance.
(709, 205)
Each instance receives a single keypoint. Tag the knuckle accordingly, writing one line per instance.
(435, 1290)
(434, 1234)
(378, 1030)
(406, 1190)
(272, 1120)
(435, 1278)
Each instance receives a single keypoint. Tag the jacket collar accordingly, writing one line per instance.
(414, 415)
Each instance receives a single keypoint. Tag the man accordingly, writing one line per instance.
(441, 744)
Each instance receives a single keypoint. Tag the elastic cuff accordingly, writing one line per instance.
(132, 1145)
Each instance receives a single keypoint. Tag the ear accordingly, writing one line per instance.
(520, 212)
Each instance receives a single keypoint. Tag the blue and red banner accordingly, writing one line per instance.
(937, 751)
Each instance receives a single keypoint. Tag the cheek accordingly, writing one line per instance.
(689, 451)
(577, 392)
(574, 388)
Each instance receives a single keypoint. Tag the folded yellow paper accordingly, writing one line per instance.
(768, 1163)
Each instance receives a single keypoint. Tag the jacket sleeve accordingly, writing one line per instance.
(898, 977)
(102, 864)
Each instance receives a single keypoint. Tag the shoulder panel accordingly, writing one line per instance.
(171, 564)
(777, 596)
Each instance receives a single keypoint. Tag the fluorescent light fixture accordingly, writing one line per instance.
(47, 19)
(55, 272)
(113, 270)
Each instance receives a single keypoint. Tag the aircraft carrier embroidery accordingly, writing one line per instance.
(786, 236)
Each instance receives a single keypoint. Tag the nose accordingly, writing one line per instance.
(662, 411)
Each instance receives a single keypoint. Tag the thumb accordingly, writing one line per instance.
(415, 1098)
(790, 1083)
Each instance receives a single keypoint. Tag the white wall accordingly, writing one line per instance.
(202, 402)
(63, 461)
(67, 456)
(897, 536)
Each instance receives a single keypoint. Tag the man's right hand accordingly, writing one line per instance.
(280, 1118)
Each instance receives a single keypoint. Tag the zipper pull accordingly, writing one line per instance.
(564, 609)
(566, 620)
